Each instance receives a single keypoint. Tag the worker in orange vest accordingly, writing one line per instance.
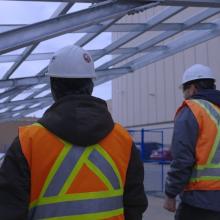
(195, 169)
(75, 162)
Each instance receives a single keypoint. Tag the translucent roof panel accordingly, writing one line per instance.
(78, 7)
(29, 68)
(35, 105)
(4, 67)
(3, 99)
(3, 90)
(102, 60)
(18, 108)
(12, 12)
(22, 95)
(39, 86)
(42, 94)
(16, 114)
(3, 110)
(15, 52)
(100, 42)
(37, 113)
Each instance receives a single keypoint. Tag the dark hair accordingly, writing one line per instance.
(61, 87)
(200, 84)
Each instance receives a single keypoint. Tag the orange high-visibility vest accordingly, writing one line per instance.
(206, 172)
(75, 182)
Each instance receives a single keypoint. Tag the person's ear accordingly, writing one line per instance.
(194, 88)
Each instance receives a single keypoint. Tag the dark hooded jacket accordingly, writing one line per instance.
(184, 141)
(80, 119)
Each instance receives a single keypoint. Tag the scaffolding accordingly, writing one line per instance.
(19, 43)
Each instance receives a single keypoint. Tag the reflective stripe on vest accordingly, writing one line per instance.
(54, 201)
(211, 170)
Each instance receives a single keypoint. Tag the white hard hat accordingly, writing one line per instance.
(71, 62)
(197, 71)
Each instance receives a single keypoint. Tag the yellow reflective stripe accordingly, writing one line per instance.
(53, 171)
(205, 178)
(202, 167)
(217, 139)
(95, 216)
(111, 162)
(56, 166)
(99, 173)
(38, 124)
(214, 148)
(76, 170)
(79, 196)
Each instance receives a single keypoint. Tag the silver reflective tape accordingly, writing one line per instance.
(98, 160)
(216, 158)
(76, 208)
(212, 172)
(64, 171)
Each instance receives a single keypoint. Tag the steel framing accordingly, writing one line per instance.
(93, 21)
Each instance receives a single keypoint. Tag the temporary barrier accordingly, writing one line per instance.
(154, 146)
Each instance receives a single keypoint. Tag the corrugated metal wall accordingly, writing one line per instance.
(150, 96)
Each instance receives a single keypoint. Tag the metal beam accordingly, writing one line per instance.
(152, 22)
(32, 110)
(14, 91)
(184, 42)
(9, 27)
(187, 3)
(89, 37)
(205, 14)
(29, 101)
(57, 26)
(47, 56)
(113, 71)
(128, 27)
(32, 100)
(26, 81)
(138, 27)
(62, 9)
(33, 94)
(30, 81)
(191, 3)
(80, 1)
(37, 92)
(45, 99)
(31, 57)
(9, 92)
(9, 115)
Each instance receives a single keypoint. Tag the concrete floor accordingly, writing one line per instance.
(156, 211)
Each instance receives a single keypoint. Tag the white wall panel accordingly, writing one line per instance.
(213, 58)
(202, 53)
(169, 81)
(144, 97)
(160, 91)
(178, 69)
(152, 94)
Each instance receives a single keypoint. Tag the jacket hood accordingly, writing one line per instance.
(210, 95)
(79, 119)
